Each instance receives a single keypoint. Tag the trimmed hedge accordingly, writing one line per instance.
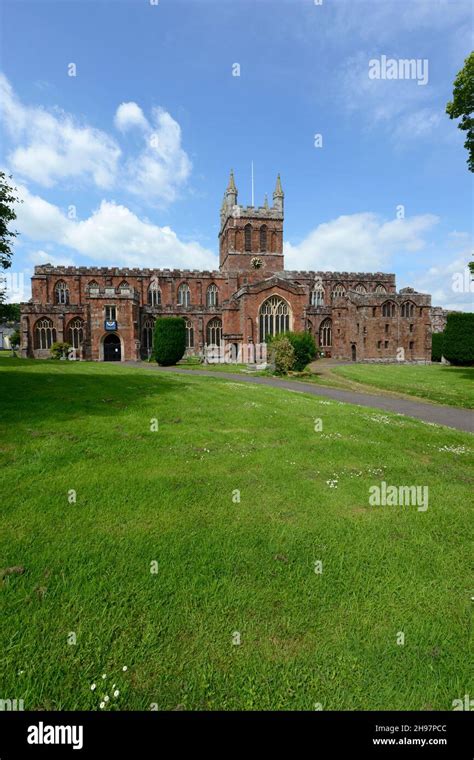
(169, 340)
(458, 339)
(436, 346)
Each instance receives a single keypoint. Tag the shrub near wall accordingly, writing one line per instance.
(304, 348)
(436, 346)
(169, 340)
(458, 339)
(282, 354)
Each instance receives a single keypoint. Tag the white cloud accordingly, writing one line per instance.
(57, 259)
(358, 242)
(53, 146)
(449, 280)
(112, 234)
(162, 166)
(129, 115)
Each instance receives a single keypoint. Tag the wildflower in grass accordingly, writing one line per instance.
(116, 693)
(454, 449)
(124, 668)
(93, 687)
(106, 698)
(102, 705)
(104, 675)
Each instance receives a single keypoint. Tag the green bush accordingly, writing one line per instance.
(304, 347)
(282, 354)
(169, 340)
(458, 339)
(60, 349)
(436, 346)
(15, 338)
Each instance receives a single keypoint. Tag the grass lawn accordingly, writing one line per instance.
(453, 386)
(225, 568)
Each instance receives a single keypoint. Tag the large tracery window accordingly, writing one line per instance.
(189, 334)
(274, 317)
(154, 295)
(338, 290)
(45, 334)
(147, 335)
(263, 238)
(76, 332)
(408, 309)
(212, 295)
(317, 296)
(360, 288)
(248, 237)
(214, 332)
(61, 292)
(380, 289)
(184, 295)
(325, 334)
(388, 309)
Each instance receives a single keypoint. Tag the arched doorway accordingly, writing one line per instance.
(354, 352)
(112, 348)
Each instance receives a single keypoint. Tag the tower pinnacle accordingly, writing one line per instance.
(278, 195)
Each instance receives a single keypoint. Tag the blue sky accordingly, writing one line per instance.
(126, 162)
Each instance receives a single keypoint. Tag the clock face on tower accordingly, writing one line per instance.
(256, 262)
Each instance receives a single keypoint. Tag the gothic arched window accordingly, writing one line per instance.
(317, 295)
(76, 332)
(61, 292)
(274, 317)
(325, 334)
(408, 309)
(248, 237)
(388, 309)
(214, 332)
(154, 295)
(338, 290)
(184, 295)
(360, 288)
(45, 334)
(263, 238)
(380, 288)
(212, 295)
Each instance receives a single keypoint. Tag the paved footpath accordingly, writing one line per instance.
(454, 417)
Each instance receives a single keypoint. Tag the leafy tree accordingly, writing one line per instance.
(169, 340)
(462, 105)
(8, 197)
(9, 312)
(15, 338)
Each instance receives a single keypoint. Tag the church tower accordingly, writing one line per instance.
(251, 237)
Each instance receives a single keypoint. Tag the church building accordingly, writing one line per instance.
(108, 314)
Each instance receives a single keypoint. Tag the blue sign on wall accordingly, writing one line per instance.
(110, 324)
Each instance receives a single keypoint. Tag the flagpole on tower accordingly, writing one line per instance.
(252, 186)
